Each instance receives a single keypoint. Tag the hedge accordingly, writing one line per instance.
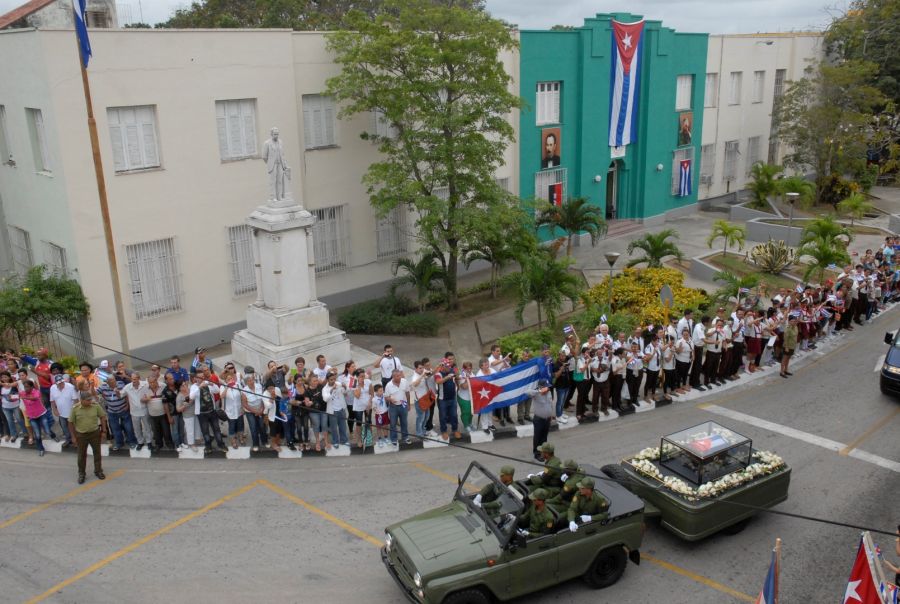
(391, 315)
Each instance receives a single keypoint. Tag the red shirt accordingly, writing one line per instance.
(42, 369)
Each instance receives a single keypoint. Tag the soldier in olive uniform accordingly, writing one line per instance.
(489, 496)
(550, 478)
(588, 505)
(572, 475)
(537, 519)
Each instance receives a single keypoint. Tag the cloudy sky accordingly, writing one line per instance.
(713, 16)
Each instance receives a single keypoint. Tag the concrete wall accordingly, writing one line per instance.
(741, 213)
(726, 122)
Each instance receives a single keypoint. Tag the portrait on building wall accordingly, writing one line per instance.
(685, 128)
(551, 143)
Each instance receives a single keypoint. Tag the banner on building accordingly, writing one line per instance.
(625, 81)
(685, 128)
(684, 178)
(555, 193)
(551, 143)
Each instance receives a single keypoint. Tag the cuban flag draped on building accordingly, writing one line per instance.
(506, 387)
(684, 178)
(625, 84)
(78, 6)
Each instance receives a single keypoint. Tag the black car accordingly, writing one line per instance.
(890, 371)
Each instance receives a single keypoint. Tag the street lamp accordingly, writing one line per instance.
(611, 258)
(791, 197)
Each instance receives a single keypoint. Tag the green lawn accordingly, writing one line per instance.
(856, 229)
(736, 265)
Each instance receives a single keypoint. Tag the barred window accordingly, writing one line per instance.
(707, 163)
(752, 153)
(332, 241)
(547, 103)
(23, 258)
(503, 183)
(779, 82)
(155, 278)
(544, 179)
(732, 151)
(390, 234)
(55, 259)
(240, 249)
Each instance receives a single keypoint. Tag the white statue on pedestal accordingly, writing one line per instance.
(279, 172)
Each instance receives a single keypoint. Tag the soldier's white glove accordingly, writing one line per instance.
(564, 477)
(522, 532)
(585, 518)
(533, 475)
(477, 500)
(572, 526)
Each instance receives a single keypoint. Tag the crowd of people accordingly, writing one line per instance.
(324, 407)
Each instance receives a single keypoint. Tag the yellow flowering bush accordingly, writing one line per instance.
(637, 291)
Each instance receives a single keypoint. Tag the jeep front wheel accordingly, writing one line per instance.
(607, 567)
(468, 596)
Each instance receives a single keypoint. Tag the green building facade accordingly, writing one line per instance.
(565, 82)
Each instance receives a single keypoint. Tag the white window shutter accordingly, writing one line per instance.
(308, 128)
(118, 147)
(328, 115)
(42, 139)
(132, 145)
(151, 154)
(249, 127)
(222, 130)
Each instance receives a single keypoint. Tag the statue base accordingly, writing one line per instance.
(249, 349)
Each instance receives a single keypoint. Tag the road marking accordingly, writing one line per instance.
(879, 363)
(60, 499)
(322, 513)
(698, 578)
(142, 541)
(865, 435)
(819, 441)
(444, 476)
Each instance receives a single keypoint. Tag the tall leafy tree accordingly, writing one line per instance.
(855, 206)
(423, 275)
(433, 71)
(547, 282)
(731, 234)
(655, 246)
(797, 184)
(575, 215)
(509, 237)
(39, 301)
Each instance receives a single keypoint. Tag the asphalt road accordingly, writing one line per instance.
(267, 530)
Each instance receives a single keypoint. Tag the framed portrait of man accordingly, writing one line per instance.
(551, 143)
(685, 128)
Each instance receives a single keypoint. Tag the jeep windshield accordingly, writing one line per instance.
(499, 507)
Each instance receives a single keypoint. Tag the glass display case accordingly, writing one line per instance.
(705, 452)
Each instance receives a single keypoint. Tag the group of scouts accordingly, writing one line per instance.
(561, 486)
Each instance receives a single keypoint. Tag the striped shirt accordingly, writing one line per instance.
(116, 402)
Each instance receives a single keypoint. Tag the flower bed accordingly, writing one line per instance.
(644, 463)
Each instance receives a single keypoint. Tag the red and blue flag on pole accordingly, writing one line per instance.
(769, 593)
(78, 7)
(625, 85)
(684, 178)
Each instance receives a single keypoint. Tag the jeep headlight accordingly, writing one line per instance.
(388, 541)
(417, 579)
(891, 368)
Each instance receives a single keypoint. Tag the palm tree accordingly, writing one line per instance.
(655, 246)
(574, 216)
(797, 184)
(855, 206)
(733, 284)
(763, 184)
(424, 275)
(546, 281)
(826, 228)
(733, 234)
(823, 253)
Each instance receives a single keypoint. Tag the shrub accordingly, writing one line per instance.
(772, 256)
(390, 315)
(532, 339)
(70, 364)
(585, 321)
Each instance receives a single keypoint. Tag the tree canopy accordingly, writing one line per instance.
(39, 301)
(432, 71)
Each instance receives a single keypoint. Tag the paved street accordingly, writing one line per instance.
(307, 530)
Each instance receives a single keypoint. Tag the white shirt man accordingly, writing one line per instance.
(397, 392)
(321, 371)
(652, 356)
(134, 391)
(686, 322)
(698, 336)
(600, 368)
(683, 350)
(195, 394)
(388, 363)
(62, 397)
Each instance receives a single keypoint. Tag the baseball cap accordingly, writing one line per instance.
(199, 349)
(58, 378)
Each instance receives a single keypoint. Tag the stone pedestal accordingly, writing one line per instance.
(286, 321)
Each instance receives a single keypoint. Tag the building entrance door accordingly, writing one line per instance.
(612, 188)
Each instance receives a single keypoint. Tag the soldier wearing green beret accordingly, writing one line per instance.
(550, 478)
(588, 505)
(489, 496)
(537, 519)
(571, 476)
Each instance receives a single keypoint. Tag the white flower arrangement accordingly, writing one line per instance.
(767, 462)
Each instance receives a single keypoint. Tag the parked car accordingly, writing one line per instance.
(890, 371)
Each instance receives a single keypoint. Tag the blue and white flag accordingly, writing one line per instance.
(505, 388)
(603, 318)
(78, 6)
(744, 290)
(625, 84)
(800, 288)
(684, 178)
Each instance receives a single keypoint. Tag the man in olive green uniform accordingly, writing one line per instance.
(550, 478)
(87, 430)
(588, 505)
(572, 475)
(537, 519)
(489, 496)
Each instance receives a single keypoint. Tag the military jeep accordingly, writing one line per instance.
(461, 554)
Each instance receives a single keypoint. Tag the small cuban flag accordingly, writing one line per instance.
(744, 290)
(684, 178)
(568, 329)
(794, 314)
(603, 318)
(799, 288)
(78, 6)
(824, 314)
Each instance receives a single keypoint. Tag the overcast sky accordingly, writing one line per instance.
(712, 16)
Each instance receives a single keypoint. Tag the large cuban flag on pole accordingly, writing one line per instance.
(624, 89)
(506, 387)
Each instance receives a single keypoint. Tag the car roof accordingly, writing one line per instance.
(622, 502)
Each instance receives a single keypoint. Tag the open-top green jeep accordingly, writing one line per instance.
(461, 554)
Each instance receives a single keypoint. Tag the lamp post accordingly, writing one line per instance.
(791, 197)
(611, 258)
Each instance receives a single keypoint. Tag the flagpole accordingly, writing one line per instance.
(104, 205)
(777, 568)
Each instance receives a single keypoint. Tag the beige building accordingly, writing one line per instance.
(746, 73)
(181, 117)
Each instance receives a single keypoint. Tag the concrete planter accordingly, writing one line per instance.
(759, 230)
(894, 223)
(741, 213)
(702, 270)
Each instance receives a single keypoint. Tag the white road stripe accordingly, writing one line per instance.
(879, 363)
(819, 441)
